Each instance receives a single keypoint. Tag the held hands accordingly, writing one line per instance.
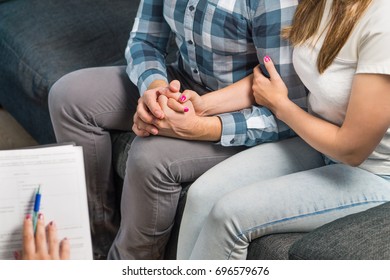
(187, 95)
(44, 245)
(165, 111)
(180, 120)
(148, 108)
(269, 92)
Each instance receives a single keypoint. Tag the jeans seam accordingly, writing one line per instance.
(238, 236)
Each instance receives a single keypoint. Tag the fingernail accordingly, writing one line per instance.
(40, 216)
(52, 223)
(176, 84)
(183, 98)
(28, 216)
(16, 255)
(186, 109)
(267, 59)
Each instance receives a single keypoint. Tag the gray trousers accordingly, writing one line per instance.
(85, 106)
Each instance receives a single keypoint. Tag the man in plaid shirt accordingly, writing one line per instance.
(219, 43)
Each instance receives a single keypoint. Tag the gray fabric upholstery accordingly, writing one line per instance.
(361, 236)
(272, 247)
(41, 40)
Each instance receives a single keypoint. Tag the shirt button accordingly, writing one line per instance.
(191, 8)
(195, 71)
(190, 42)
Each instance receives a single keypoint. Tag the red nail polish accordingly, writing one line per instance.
(28, 216)
(183, 98)
(267, 59)
(186, 109)
(40, 216)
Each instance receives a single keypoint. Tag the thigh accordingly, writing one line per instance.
(255, 164)
(298, 202)
(262, 162)
(98, 97)
(174, 161)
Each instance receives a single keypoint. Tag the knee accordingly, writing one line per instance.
(68, 93)
(200, 197)
(223, 213)
(59, 93)
(146, 159)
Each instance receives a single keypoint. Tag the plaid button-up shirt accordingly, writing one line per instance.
(219, 42)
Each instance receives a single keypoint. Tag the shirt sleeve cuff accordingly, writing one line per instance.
(233, 129)
(147, 78)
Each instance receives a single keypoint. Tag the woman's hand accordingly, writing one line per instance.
(44, 245)
(269, 92)
(171, 92)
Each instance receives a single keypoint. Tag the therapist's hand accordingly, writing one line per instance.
(44, 245)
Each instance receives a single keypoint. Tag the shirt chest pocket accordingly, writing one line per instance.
(224, 29)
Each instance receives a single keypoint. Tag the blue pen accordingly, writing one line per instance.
(36, 207)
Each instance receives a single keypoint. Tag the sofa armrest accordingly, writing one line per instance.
(363, 236)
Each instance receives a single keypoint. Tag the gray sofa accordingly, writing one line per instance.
(42, 40)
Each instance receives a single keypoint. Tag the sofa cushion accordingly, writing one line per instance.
(361, 236)
(272, 247)
(48, 38)
(41, 40)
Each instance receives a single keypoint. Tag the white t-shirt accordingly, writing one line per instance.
(367, 50)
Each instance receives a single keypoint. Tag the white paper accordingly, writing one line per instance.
(59, 171)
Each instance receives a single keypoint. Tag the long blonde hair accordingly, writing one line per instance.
(307, 19)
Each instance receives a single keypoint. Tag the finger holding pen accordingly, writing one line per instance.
(34, 245)
(37, 205)
(28, 239)
(40, 242)
(40, 237)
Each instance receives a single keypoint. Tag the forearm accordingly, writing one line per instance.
(229, 99)
(146, 48)
(208, 129)
(196, 129)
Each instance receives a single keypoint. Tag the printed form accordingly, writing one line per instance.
(59, 171)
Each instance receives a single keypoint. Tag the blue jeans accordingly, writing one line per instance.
(272, 188)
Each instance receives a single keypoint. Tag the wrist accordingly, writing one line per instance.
(283, 109)
(206, 109)
(208, 129)
(157, 84)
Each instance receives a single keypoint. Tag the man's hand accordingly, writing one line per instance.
(148, 109)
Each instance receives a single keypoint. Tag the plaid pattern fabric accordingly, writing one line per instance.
(219, 42)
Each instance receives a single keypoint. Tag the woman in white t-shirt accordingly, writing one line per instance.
(339, 164)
